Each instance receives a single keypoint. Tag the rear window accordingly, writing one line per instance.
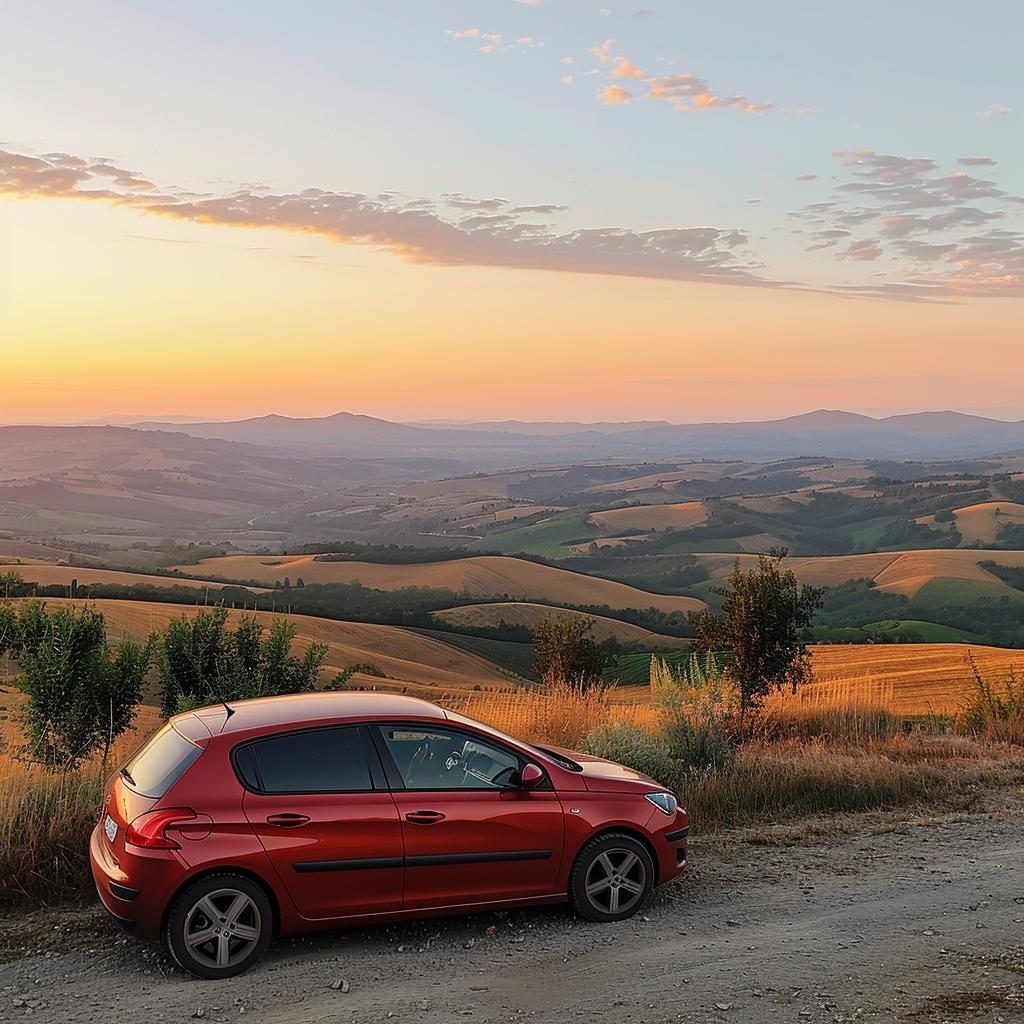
(329, 760)
(159, 763)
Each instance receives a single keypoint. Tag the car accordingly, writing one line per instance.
(270, 817)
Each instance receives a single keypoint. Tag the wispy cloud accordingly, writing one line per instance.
(949, 232)
(457, 230)
(995, 110)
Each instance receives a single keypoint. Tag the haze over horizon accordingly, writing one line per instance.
(528, 210)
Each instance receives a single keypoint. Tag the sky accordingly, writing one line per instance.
(533, 209)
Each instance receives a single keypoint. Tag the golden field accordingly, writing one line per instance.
(483, 576)
(678, 516)
(900, 572)
(980, 524)
(903, 679)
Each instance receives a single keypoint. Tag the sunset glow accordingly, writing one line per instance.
(573, 214)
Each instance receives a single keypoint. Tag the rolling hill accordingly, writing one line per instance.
(409, 659)
(484, 576)
(901, 572)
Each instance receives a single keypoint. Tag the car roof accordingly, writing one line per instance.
(299, 708)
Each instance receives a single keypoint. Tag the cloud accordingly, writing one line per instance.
(642, 13)
(806, 177)
(568, 60)
(865, 249)
(627, 69)
(995, 110)
(482, 232)
(688, 93)
(944, 229)
(603, 53)
(612, 95)
(567, 79)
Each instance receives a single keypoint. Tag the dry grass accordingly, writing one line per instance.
(561, 716)
(45, 821)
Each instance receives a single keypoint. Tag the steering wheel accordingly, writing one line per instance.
(453, 761)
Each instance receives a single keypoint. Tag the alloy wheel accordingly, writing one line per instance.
(222, 928)
(616, 881)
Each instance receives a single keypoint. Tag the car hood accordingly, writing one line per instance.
(601, 774)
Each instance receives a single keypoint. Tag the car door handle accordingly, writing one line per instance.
(424, 817)
(287, 820)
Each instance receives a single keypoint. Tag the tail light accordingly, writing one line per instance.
(148, 830)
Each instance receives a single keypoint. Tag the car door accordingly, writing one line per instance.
(471, 835)
(318, 801)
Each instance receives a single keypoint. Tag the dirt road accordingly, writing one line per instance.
(922, 922)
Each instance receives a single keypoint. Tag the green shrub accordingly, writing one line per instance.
(699, 709)
(637, 749)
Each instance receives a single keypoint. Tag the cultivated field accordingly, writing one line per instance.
(679, 516)
(519, 613)
(901, 572)
(980, 524)
(483, 576)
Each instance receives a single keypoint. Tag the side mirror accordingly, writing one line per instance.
(531, 777)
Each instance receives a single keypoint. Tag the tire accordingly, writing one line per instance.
(219, 926)
(612, 878)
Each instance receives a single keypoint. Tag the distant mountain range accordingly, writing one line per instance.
(924, 435)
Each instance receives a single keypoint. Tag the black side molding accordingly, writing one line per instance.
(426, 860)
(680, 833)
(358, 864)
(430, 860)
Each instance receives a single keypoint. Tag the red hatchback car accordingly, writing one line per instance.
(278, 816)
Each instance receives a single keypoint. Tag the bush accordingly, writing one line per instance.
(81, 694)
(638, 749)
(699, 710)
(203, 662)
(996, 713)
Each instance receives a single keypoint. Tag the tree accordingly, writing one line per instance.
(81, 694)
(763, 617)
(203, 662)
(564, 649)
(12, 584)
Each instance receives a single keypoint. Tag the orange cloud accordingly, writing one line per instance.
(612, 95)
(627, 69)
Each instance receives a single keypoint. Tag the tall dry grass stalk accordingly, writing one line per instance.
(45, 821)
(844, 710)
(560, 715)
(995, 708)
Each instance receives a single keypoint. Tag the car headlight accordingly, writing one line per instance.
(665, 802)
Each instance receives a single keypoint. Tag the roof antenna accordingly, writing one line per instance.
(230, 710)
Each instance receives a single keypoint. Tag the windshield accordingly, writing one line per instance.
(159, 762)
(545, 755)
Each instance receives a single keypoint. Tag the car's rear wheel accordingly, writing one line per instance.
(612, 878)
(219, 926)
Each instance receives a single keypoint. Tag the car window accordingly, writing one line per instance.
(311, 761)
(160, 762)
(448, 759)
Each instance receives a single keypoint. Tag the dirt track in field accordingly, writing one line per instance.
(916, 920)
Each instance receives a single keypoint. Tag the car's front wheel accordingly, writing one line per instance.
(219, 926)
(612, 878)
